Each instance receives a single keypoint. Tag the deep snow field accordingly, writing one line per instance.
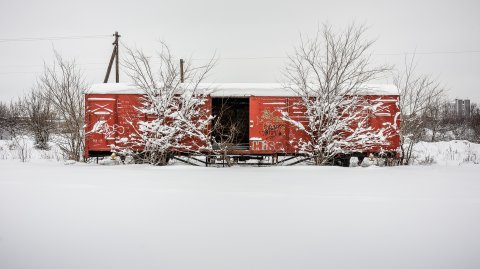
(54, 215)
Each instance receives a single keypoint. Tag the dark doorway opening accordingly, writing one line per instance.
(230, 125)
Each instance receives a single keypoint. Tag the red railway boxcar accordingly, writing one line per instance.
(257, 107)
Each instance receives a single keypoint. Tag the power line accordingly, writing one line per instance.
(40, 71)
(239, 58)
(23, 39)
(220, 58)
(50, 38)
(272, 57)
(430, 52)
(43, 65)
(375, 54)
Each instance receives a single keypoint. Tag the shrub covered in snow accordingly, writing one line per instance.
(327, 72)
(173, 106)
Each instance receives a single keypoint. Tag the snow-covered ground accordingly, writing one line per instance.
(54, 215)
(456, 152)
(22, 149)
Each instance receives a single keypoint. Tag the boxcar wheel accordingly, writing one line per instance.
(360, 160)
(343, 162)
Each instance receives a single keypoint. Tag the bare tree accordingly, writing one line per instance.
(63, 83)
(12, 119)
(433, 118)
(175, 109)
(4, 115)
(13, 124)
(475, 122)
(328, 72)
(418, 93)
(40, 117)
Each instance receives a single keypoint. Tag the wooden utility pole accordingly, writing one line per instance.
(182, 79)
(114, 57)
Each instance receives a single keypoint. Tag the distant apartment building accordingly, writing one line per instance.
(460, 108)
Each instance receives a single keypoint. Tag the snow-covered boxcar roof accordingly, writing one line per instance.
(236, 89)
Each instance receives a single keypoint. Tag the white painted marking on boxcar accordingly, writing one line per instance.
(383, 114)
(100, 99)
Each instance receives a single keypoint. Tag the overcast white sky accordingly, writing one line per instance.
(238, 29)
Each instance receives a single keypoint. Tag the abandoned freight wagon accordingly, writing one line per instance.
(257, 109)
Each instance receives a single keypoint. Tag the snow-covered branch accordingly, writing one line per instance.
(328, 73)
(175, 112)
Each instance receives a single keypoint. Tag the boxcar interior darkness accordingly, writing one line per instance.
(230, 125)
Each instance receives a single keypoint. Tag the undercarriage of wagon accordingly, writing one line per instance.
(236, 157)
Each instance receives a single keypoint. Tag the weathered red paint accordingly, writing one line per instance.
(120, 114)
(268, 133)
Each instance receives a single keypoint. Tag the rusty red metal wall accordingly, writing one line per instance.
(268, 133)
(120, 115)
(98, 108)
(388, 116)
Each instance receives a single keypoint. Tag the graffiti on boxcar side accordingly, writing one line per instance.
(260, 145)
(273, 129)
(273, 125)
(109, 131)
